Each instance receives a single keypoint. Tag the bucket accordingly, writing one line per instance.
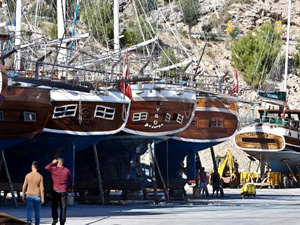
(70, 200)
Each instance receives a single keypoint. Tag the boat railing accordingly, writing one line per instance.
(274, 120)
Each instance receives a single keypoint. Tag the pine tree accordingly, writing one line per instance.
(255, 53)
(191, 12)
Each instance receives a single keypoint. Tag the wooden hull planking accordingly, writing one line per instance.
(214, 121)
(156, 123)
(19, 101)
(85, 114)
(88, 123)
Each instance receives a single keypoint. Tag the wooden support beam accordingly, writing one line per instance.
(214, 159)
(162, 180)
(9, 180)
(156, 200)
(99, 179)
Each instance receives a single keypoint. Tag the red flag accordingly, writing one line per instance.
(283, 112)
(235, 88)
(125, 88)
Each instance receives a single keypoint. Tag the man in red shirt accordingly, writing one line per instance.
(61, 177)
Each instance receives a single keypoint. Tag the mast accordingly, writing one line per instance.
(116, 26)
(287, 46)
(61, 15)
(18, 33)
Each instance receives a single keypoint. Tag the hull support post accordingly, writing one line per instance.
(9, 180)
(99, 179)
(152, 146)
(162, 179)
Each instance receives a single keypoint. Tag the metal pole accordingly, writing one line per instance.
(287, 46)
(153, 173)
(98, 174)
(73, 174)
(116, 26)
(9, 180)
(18, 33)
(294, 178)
(262, 164)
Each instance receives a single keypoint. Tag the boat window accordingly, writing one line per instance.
(139, 116)
(194, 122)
(1, 116)
(179, 118)
(105, 112)
(168, 117)
(216, 123)
(64, 111)
(29, 116)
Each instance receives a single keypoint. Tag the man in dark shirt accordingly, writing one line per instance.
(61, 177)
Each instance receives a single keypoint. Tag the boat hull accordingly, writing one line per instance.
(270, 142)
(158, 110)
(24, 113)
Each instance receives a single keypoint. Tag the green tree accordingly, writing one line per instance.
(132, 34)
(255, 53)
(167, 56)
(191, 12)
(98, 17)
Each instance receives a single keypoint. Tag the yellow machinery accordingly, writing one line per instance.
(270, 179)
(274, 179)
(228, 169)
(248, 177)
(248, 189)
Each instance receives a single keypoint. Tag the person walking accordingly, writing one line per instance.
(61, 177)
(215, 183)
(33, 189)
(203, 182)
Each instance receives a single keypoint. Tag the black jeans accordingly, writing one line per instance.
(59, 199)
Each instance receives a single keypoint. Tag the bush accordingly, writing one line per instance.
(164, 62)
(132, 35)
(98, 16)
(255, 53)
(53, 29)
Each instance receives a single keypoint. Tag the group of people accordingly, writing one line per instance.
(33, 191)
(203, 181)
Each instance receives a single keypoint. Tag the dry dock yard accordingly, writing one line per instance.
(270, 206)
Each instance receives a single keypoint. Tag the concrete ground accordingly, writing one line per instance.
(271, 206)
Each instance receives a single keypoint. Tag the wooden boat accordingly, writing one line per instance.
(79, 120)
(215, 121)
(160, 109)
(23, 113)
(272, 139)
(85, 114)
